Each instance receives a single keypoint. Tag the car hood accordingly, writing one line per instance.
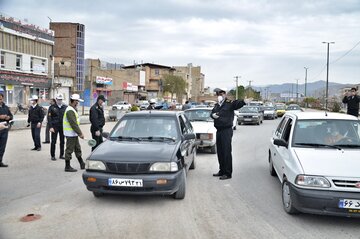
(135, 151)
(242, 114)
(203, 127)
(329, 162)
(269, 111)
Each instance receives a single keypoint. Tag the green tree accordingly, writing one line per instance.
(241, 92)
(174, 85)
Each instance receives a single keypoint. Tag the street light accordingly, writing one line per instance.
(297, 92)
(237, 78)
(327, 74)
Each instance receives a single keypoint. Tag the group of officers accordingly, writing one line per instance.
(64, 121)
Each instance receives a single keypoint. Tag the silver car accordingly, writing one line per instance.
(316, 156)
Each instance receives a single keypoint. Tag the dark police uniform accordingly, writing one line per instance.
(4, 110)
(224, 133)
(36, 115)
(97, 120)
(55, 121)
(352, 104)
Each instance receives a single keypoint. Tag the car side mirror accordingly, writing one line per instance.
(105, 135)
(189, 136)
(280, 142)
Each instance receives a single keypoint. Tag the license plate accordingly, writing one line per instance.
(119, 182)
(204, 136)
(247, 119)
(349, 203)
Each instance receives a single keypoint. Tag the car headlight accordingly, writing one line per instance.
(95, 165)
(312, 181)
(164, 167)
(255, 116)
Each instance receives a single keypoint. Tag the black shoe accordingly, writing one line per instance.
(70, 169)
(217, 174)
(3, 165)
(38, 149)
(61, 157)
(224, 177)
(82, 165)
(53, 158)
(46, 142)
(34, 148)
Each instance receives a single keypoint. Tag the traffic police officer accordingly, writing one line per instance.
(35, 119)
(55, 121)
(97, 120)
(5, 117)
(223, 115)
(352, 100)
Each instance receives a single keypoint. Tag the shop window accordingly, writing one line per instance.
(2, 65)
(18, 62)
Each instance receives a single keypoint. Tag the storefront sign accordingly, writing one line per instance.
(64, 82)
(16, 79)
(103, 80)
(9, 87)
(129, 87)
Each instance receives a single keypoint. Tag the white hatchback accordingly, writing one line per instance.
(316, 156)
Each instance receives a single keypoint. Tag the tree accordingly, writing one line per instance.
(174, 85)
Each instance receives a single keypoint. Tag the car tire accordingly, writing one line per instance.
(286, 198)
(234, 127)
(239, 123)
(98, 194)
(258, 123)
(193, 164)
(213, 149)
(271, 166)
(180, 194)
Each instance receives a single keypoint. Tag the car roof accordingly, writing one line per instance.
(321, 115)
(199, 108)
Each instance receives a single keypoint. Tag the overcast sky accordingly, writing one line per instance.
(266, 42)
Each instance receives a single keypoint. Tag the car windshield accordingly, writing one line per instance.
(316, 132)
(145, 128)
(293, 108)
(199, 115)
(249, 110)
(280, 107)
(269, 108)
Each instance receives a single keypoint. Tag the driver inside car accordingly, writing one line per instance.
(333, 135)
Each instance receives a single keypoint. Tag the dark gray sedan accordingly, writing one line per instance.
(147, 152)
(249, 115)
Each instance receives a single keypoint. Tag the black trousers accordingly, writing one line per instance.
(223, 144)
(353, 112)
(99, 139)
(58, 131)
(3, 140)
(35, 133)
(47, 133)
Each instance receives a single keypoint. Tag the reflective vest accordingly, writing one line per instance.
(68, 131)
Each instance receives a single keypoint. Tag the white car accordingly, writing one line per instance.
(203, 126)
(316, 156)
(122, 105)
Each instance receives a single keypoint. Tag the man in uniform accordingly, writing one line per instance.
(72, 131)
(97, 120)
(55, 122)
(223, 115)
(35, 119)
(5, 117)
(352, 100)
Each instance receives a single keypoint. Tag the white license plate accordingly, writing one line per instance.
(247, 119)
(125, 182)
(204, 136)
(349, 203)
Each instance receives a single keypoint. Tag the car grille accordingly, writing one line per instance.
(128, 167)
(345, 183)
(248, 116)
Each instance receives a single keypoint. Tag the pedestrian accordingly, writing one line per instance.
(72, 131)
(186, 105)
(55, 121)
(223, 115)
(47, 130)
(97, 120)
(5, 117)
(352, 100)
(151, 105)
(35, 119)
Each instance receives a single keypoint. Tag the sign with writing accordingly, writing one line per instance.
(103, 80)
(129, 87)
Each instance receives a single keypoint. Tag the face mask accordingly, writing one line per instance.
(32, 102)
(220, 98)
(59, 102)
(103, 104)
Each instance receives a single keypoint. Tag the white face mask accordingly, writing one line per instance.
(103, 104)
(220, 98)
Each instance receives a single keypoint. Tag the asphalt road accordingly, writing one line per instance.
(247, 206)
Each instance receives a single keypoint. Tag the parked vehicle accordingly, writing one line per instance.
(269, 112)
(144, 105)
(316, 158)
(204, 128)
(147, 152)
(122, 105)
(249, 115)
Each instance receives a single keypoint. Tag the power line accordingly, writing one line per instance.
(338, 59)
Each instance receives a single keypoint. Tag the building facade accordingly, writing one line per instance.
(69, 62)
(26, 60)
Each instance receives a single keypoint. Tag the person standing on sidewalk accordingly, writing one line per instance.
(55, 122)
(223, 115)
(47, 130)
(352, 100)
(5, 117)
(35, 119)
(97, 120)
(72, 131)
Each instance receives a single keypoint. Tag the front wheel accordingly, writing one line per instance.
(98, 194)
(180, 194)
(213, 149)
(271, 166)
(286, 198)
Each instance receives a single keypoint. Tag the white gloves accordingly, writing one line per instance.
(215, 116)
(97, 133)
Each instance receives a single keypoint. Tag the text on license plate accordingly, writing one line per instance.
(349, 203)
(125, 182)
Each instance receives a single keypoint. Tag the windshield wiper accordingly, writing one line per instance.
(151, 138)
(348, 145)
(127, 138)
(319, 145)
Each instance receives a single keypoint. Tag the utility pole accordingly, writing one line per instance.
(249, 87)
(237, 86)
(327, 74)
(306, 68)
(297, 91)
